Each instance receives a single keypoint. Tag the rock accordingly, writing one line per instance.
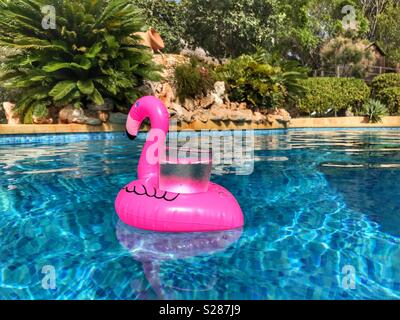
(171, 112)
(187, 116)
(117, 118)
(270, 118)
(218, 113)
(206, 101)
(93, 121)
(235, 116)
(240, 115)
(279, 115)
(71, 114)
(242, 106)
(189, 105)
(234, 105)
(219, 92)
(217, 117)
(157, 88)
(147, 88)
(42, 120)
(247, 114)
(167, 95)
(11, 115)
(176, 109)
(103, 116)
(200, 54)
(285, 114)
(201, 115)
(108, 105)
(258, 117)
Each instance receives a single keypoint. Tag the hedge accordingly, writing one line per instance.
(338, 94)
(391, 98)
(385, 81)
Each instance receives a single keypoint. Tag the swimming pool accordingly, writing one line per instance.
(319, 206)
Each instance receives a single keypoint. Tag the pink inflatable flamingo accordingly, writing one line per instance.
(143, 205)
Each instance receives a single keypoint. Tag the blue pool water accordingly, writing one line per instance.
(317, 206)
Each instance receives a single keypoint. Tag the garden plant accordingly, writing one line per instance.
(91, 54)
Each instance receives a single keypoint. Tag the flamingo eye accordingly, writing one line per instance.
(137, 104)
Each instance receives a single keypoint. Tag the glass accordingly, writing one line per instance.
(184, 170)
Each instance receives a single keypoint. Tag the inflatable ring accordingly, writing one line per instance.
(143, 205)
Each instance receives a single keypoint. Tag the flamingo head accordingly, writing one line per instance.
(147, 107)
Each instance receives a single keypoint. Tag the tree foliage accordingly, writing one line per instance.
(166, 16)
(230, 28)
(387, 32)
(293, 28)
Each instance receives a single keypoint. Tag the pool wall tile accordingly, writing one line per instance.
(76, 137)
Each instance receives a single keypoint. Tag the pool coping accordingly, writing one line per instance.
(329, 122)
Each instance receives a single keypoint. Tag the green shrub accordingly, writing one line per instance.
(90, 55)
(336, 94)
(391, 98)
(385, 81)
(386, 88)
(4, 95)
(374, 110)
(11, 95)
(192, 79)
(7, 94)
(254, 80)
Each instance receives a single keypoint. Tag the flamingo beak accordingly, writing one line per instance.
(130, 136)
(132, 127)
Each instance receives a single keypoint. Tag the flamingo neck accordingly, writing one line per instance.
(148, 167)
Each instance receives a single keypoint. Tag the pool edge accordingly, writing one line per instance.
(303, 123)
(61, 133)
